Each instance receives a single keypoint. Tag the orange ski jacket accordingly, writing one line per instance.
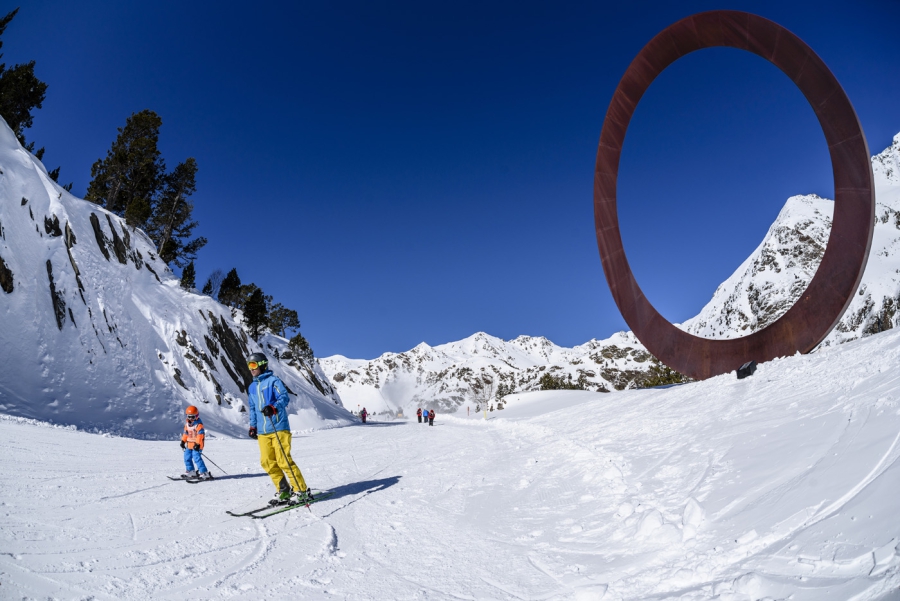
(194, 434)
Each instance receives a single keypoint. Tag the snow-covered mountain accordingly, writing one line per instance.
(96, 332)
(765, 286)
(450, 376)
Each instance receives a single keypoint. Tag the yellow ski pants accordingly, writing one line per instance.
(277, 463)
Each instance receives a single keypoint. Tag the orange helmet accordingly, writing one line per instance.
(192, 411)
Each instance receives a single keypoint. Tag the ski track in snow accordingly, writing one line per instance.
(783, 485)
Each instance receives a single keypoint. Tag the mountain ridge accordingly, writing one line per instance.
(759, 291)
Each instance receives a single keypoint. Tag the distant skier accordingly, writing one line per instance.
(431, 417)
(419, 414)
(268, 400)
(363, 414)
(192, 440)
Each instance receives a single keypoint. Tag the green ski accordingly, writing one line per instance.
(281, 509)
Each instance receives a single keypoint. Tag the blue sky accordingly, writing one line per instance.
(401, 172)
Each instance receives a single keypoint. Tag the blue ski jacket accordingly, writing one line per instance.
(267, 389)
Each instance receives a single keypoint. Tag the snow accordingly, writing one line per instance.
(129, 349)
(782, 485)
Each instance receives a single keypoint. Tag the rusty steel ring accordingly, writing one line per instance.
(829, 293)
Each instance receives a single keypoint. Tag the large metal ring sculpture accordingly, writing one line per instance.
(826, 298)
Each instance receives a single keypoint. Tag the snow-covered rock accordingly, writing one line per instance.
(96, 332)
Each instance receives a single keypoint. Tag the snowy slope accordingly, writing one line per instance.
(760, 291)
(96, 332)
(780, 486)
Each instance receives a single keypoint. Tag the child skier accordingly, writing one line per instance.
(192, 442)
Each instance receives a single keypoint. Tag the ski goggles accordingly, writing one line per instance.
(191, 418)
(254, 365)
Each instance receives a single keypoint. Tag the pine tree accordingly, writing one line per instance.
(54, 175)
(213, 282)
(255, 314)
(300, 348)
(132, 182)
(172, 222)
(661, 375)
(20, 91)
(127, 180)
(188, 277)
(282, 320)
(550, 382)
(230, 289)
(244, 294)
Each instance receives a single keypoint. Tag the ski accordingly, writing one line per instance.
(188, 480)
(251, 512)
(282, 508)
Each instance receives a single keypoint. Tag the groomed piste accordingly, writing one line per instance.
(780, 486)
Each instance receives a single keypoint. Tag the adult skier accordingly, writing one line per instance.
(363, 414)
(431, 418)
(192, 440)
(268, 400)
(419, 414)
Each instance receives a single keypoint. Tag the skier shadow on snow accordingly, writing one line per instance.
(368, 487)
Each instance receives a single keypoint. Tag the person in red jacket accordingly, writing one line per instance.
(419, 414)
(363, 414)
(192, 440)
(431, 417)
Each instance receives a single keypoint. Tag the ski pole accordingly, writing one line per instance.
(205, 456)
(286, 458)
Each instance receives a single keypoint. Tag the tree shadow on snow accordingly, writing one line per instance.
(368, 487)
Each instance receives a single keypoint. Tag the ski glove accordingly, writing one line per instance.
(252, 433)
(182, 444)
(269, 411)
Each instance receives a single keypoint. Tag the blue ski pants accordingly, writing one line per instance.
(193, 457)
